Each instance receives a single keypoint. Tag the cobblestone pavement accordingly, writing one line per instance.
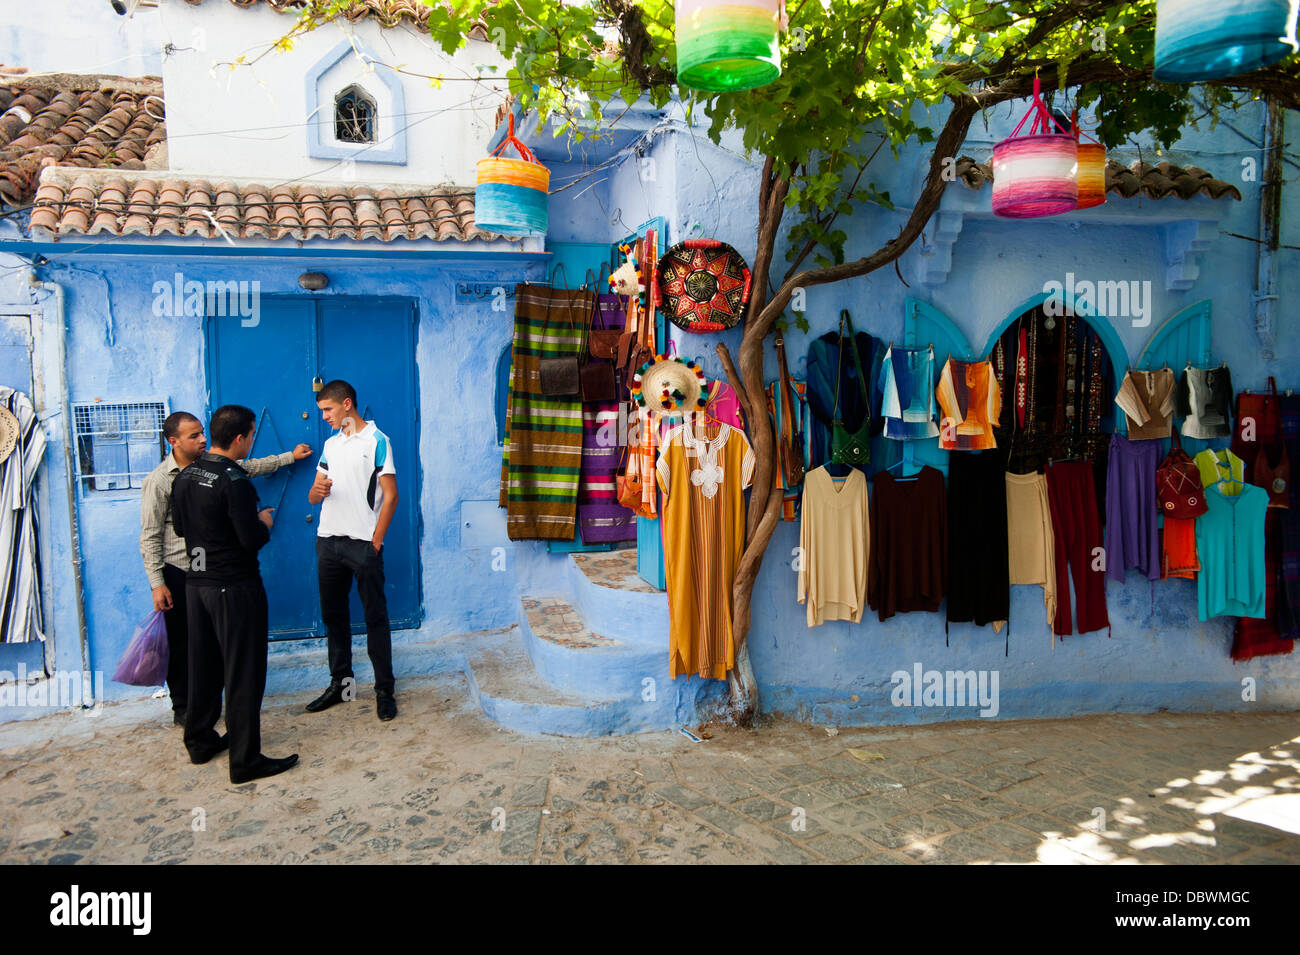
(444, 784)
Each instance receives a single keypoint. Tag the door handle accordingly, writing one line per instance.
(308, 518)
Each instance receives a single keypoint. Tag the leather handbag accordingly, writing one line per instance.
(850, 447)
(602, 340)
(561, 377)
(791, 436)
(629, 483)
(633, 352)
(597, 382)
(1178, 483)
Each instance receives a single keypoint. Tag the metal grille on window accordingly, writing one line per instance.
(354, 117)
(118, 444)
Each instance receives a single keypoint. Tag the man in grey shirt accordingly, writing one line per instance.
(165, 557)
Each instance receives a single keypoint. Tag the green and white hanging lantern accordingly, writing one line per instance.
(725, 45)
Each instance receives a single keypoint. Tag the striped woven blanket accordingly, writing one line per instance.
(542, 462)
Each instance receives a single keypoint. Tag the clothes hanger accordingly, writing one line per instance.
(909, 461)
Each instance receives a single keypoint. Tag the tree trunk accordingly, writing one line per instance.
(766, 492)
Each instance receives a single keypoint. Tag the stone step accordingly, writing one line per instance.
(615, 602)
(510, 691)
(570, 656)
(294, 666)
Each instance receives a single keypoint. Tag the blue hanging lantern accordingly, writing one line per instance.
(1213, 39)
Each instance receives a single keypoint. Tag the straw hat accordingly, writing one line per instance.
(8, 433)
(669, 385)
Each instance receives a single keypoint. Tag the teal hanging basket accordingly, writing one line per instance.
(1213, 39)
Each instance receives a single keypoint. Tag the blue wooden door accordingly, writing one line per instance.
(269, 367)
(370, 343)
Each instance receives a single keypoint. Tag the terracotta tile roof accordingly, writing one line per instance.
(1156, 182)
(389, 13)
(87, 121)
(106, 203)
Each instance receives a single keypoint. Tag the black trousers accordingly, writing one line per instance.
(228, 643)
(178, 639)
(338, 561)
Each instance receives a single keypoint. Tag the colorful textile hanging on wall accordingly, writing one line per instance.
(1213, 39)
(511, 195)
(703, 285)
(1034, 174)
(725, 45)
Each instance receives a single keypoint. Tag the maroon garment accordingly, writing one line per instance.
(908, 569)
(1077, 534)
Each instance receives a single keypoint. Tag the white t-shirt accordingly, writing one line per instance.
(353, 463)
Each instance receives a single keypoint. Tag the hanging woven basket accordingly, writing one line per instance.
(1091, 167)
(703, 285)
(1213, 39)
(511, 194)
(1035, 175)
(724, 45)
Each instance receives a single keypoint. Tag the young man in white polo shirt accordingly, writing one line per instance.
(357, 483)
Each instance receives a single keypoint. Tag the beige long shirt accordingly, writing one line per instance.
(1031, 547)
(159, 543)
(834, 543)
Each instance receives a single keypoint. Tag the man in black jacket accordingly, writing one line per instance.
(214, 508)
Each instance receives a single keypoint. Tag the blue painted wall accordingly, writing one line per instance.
(162, 357)
(1159, 655)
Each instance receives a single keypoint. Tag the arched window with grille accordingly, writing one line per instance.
(354, 116)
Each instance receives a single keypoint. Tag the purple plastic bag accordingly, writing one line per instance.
(145, 660)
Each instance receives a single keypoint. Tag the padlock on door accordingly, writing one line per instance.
(317, 383)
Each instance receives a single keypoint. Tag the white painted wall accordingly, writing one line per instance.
(79, 36)
(251, 121)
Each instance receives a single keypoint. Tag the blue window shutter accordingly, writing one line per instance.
(923, 324)
(1182, 337)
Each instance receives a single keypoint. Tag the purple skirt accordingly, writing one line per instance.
(1132, 511)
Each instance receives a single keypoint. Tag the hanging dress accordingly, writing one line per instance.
(908, 569)
(978, 571)
(834, 547)
(703, 481)
(970, 402)
(907, 393)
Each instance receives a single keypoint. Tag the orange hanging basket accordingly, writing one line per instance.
(1091, 166)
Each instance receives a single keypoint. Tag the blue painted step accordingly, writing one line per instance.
(572, 658)
(615, 602)
(509, 691)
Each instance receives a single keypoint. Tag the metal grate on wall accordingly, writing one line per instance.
(118, 444)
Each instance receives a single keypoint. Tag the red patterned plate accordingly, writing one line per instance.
(704, 285)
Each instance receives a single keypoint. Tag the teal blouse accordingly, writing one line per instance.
(1230, 547)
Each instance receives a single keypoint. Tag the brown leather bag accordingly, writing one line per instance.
(790, 439)
(561, 377)
(598, 382)
(633, 352)
(602, 342)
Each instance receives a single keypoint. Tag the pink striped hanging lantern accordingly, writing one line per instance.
(1036, 174)
(1092, 167)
